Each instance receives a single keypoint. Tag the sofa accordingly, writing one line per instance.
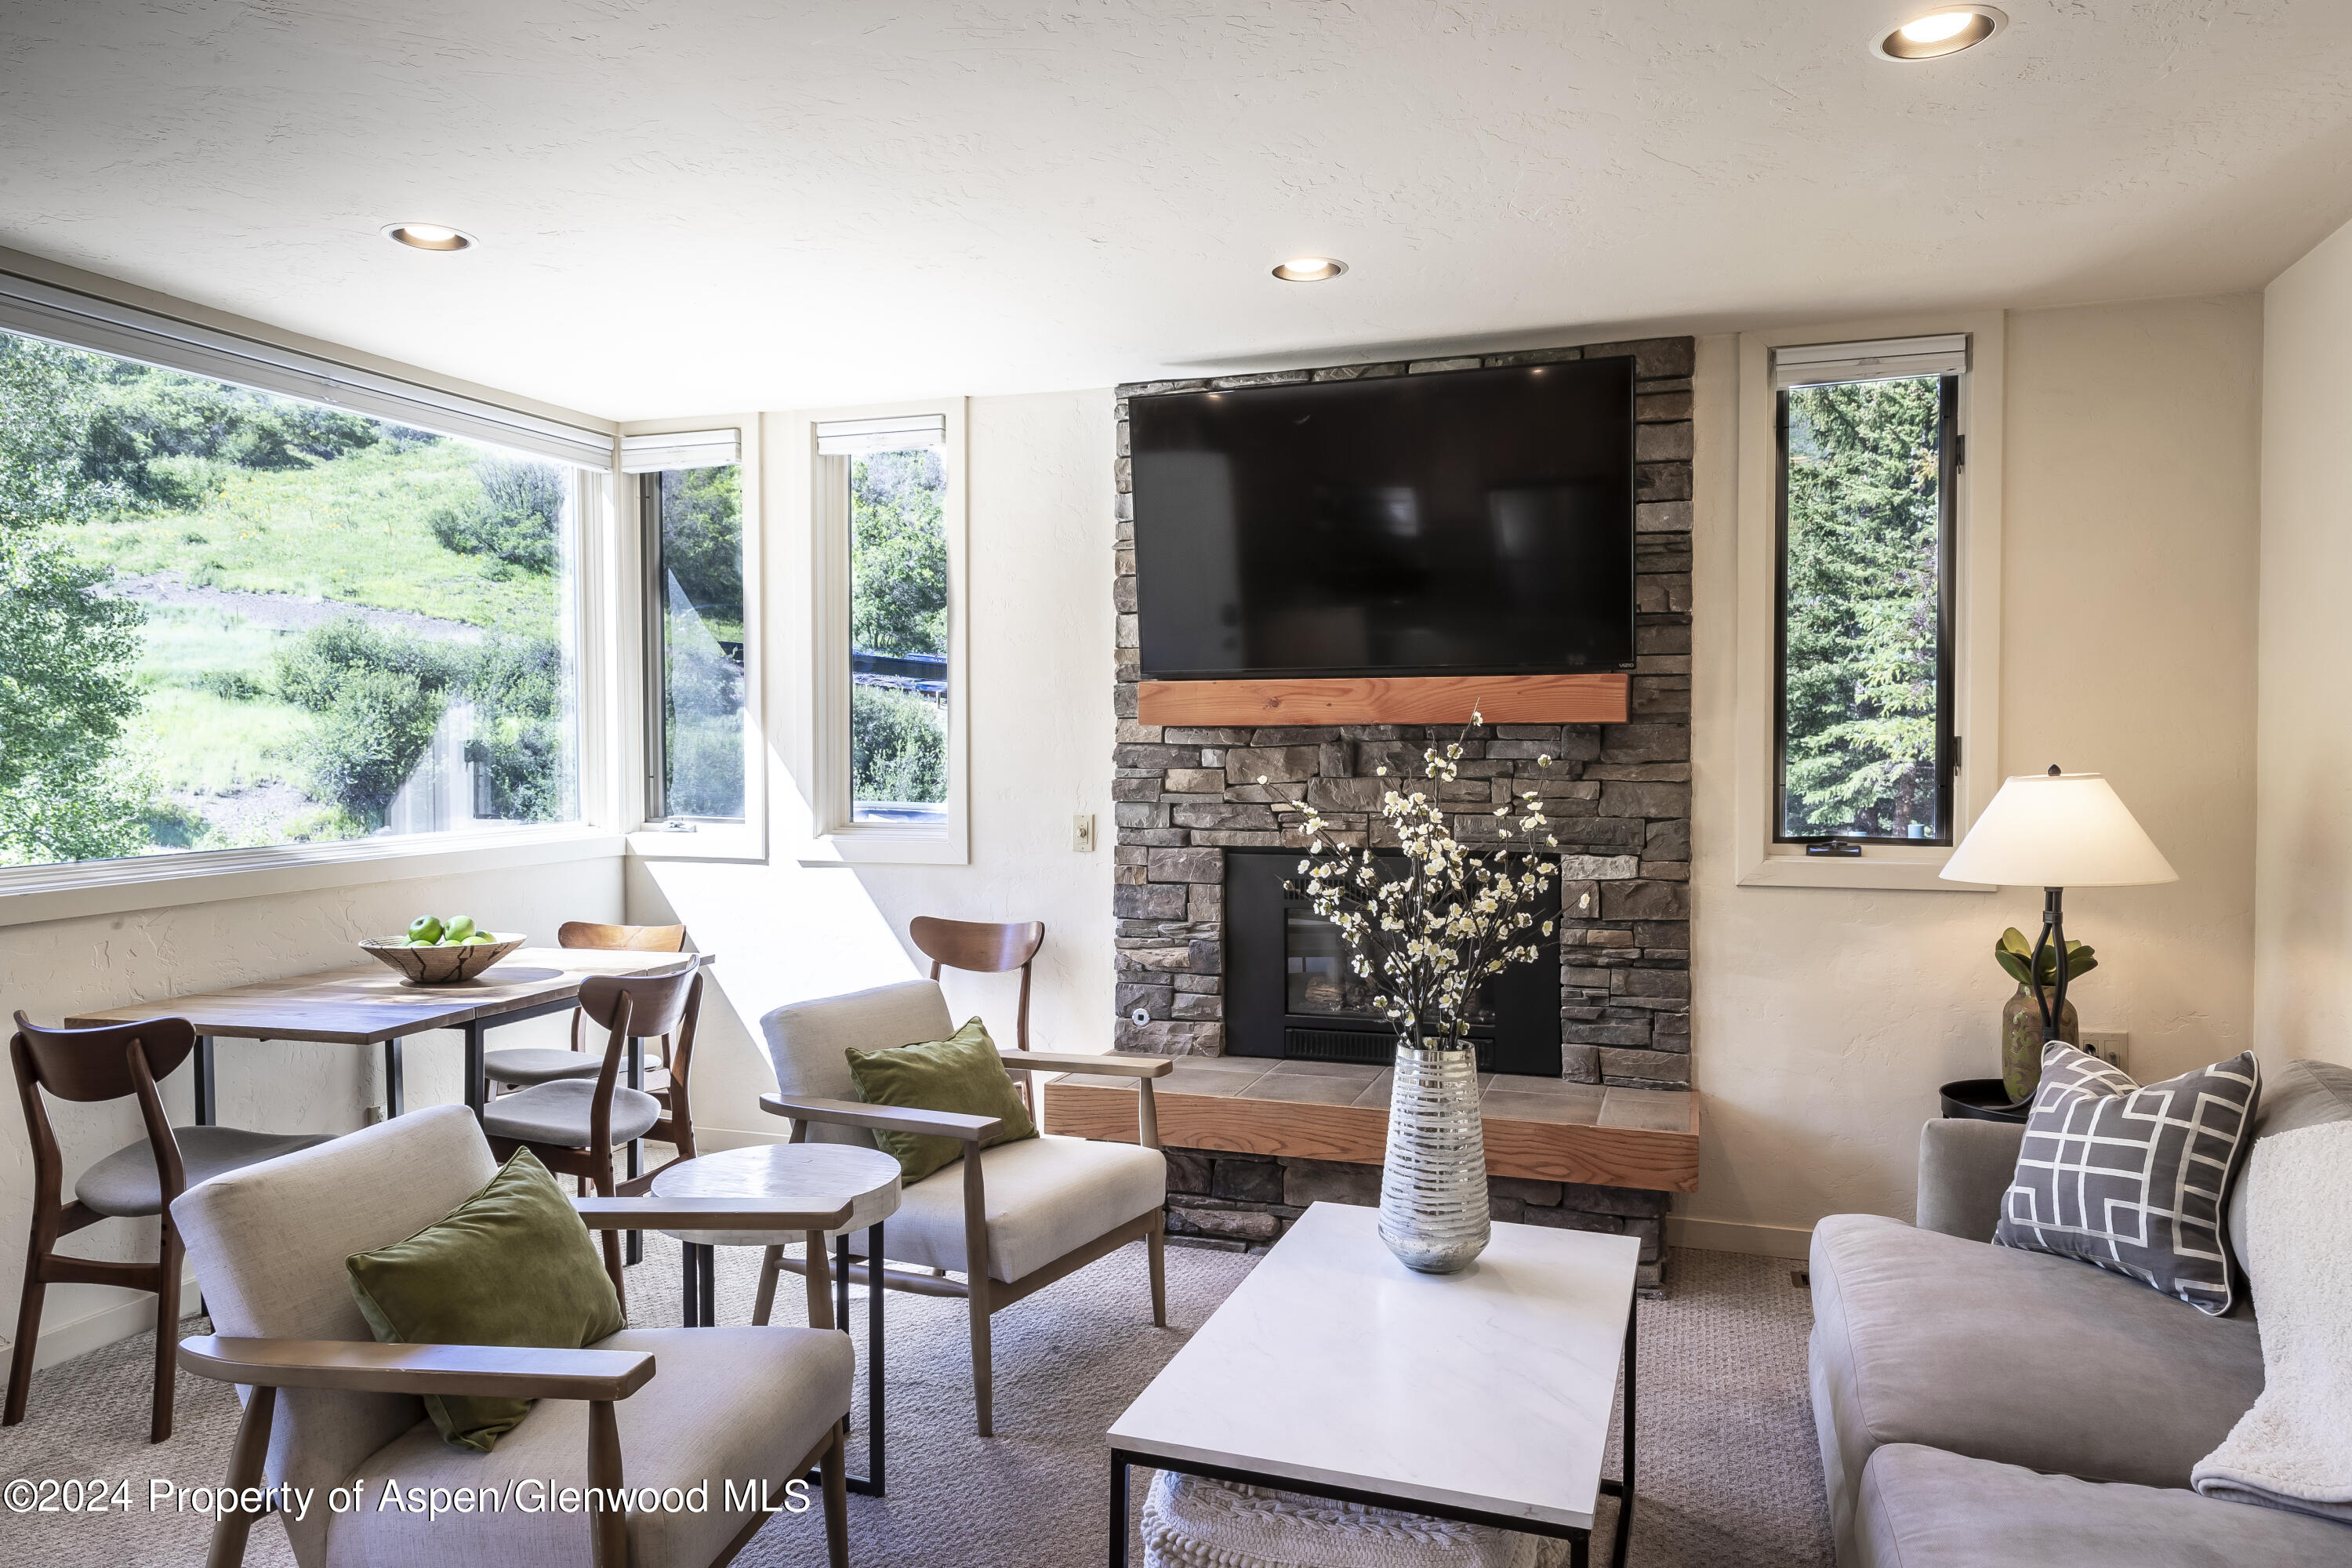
(1980, 1405)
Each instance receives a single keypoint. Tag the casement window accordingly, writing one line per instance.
(1869, 530)
(1868, 450)
(251, 600)
(697, 632)
(889, 517)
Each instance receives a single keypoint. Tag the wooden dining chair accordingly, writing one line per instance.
(574, 1125)
(519, 1066)
(985, 947)
(120, 1061)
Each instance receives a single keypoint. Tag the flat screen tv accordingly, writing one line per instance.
(1474, 521)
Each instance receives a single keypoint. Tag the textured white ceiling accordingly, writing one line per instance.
(689, 206)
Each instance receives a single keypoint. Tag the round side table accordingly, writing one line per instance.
(822, 1175)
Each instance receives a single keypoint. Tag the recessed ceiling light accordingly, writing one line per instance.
(1946, 30)
(1309, 269)
(428, 237)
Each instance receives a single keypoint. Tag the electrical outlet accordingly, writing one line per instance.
(370, 1114)
(1082, 833)
(2112, 1046)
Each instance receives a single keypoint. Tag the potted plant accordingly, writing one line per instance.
(2023, 1030)
(1424, 941)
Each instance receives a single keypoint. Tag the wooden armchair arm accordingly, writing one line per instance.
(655, 1212)
(1115, 1065)
(358, 1366)
(883, 1118)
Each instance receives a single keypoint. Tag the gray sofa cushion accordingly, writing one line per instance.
(1921, 1508)
(2015, 1357)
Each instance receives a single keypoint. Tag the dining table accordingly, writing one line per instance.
(368, 1003)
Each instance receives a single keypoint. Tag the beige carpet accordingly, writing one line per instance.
(1729, 1476)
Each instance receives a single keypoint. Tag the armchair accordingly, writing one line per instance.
(1012, 1219)
(326, 1405)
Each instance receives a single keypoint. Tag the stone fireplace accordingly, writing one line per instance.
(1618, 795)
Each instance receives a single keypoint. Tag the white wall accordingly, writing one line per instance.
(51, 970)
(1825, 1020)
(1040, 531)
(2303, 917)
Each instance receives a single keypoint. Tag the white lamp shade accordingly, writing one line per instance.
(2058, 830)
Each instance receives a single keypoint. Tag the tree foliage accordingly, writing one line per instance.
(1863, 522)
(897, 746)
(898, 553)
(702, 540)
(378, 697)
(516, 519)
(68, 649)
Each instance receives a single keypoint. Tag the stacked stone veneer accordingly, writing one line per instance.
(1618, 795)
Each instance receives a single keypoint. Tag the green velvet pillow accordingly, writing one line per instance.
(962, 1073)
(513, 1265)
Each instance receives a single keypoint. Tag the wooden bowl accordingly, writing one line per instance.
(441, 965)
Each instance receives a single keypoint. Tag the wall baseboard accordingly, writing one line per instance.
(79, 1318)
(1739, 1235)
(713, 1138)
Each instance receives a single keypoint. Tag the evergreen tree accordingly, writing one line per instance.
(1863, 552)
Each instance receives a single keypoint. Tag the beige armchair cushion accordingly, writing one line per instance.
(725, 1404)
(806, 1041)
(1047, 1198)
(267, 1243)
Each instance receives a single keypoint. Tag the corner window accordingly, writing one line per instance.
(888, 498)
(1867, 454)
(695, 640)
(231, 619)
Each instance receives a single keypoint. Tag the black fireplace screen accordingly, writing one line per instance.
(1291, 989)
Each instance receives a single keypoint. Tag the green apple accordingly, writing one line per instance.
(480, 939)
(424, 929)
(457, 928)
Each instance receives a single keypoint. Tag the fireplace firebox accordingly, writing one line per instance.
(1290, 992)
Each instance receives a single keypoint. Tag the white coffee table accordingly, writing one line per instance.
(1334, 1370)
(817, 1174)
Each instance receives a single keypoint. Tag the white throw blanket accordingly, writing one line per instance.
(2294, 1448)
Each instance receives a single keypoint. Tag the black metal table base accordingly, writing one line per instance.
(1579, 1540)
(699, 1290)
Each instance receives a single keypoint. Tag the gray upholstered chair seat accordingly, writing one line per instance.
(1923, 1507)
(1044, 1197)
(697, 1421)
(559, 1113)
(2015, 1357)
(124, 1182)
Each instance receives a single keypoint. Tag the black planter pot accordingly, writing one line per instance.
(1981, 1099)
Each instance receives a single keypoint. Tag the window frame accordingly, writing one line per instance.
(1947, 466)
(649, 838)
(94, 314)
(833, 837)
(1762, 856)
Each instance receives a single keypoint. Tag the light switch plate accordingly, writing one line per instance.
(1082, 833)
(2112, 1046)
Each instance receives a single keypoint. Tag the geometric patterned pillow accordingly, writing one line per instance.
(2135, 1180)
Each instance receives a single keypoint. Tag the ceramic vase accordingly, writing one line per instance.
(2020, 1042)
(1434, 1213)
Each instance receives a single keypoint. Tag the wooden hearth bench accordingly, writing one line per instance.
(1543, 1130)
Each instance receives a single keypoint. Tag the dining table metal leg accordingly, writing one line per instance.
(205, 1111)
(634, 1247)
(477, 1089)
(394, 1101)
(689, 1287)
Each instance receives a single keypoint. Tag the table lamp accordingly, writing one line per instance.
(2054, 831)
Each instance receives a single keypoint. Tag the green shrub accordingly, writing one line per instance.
(516, 687)
(897, 746)
(515, 519)
(378, 696)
